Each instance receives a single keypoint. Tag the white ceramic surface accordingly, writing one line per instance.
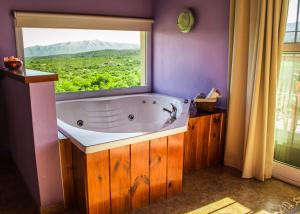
(106, 121)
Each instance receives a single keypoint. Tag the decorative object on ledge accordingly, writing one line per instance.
(31, 76)
(185, 21)
(207, 103)
(13, 63)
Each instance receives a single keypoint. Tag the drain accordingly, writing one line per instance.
(79, 123)
(131, 117)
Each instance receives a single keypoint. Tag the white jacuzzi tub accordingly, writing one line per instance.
(102, 123)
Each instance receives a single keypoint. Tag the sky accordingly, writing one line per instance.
(292, 14)
(47, 36)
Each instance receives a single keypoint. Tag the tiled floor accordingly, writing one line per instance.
(221, 185)
(210, 185)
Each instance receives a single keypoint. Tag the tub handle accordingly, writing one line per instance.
(173, 112)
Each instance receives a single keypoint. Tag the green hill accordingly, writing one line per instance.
(94, 70)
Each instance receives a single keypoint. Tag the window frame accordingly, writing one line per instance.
(291, 47)
(27, 19)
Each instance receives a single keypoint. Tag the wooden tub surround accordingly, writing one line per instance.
(122, 179)
(125, 178)
(204, 142)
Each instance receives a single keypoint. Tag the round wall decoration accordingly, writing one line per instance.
(185, 21)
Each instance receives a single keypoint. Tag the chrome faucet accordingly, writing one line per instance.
(173, 112)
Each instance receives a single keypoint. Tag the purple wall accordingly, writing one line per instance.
(32, 131)
(4, 147)
(186, 64)
(21, 140)
(44, 126)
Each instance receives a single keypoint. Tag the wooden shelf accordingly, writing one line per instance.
(31, 76)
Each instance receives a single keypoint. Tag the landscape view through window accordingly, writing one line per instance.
(85, 60)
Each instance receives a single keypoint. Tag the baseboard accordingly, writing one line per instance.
(286, 173)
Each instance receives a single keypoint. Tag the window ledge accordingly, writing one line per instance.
(31, 76)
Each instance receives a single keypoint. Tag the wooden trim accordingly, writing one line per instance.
(75, 21)
(144, 59)
(291, 47)
(31, 76)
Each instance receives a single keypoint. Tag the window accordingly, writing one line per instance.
(292, 34)
(287, 126)
(92, 55)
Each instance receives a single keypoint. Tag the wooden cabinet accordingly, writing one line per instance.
(204, 141)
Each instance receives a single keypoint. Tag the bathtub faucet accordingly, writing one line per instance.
(173, 112)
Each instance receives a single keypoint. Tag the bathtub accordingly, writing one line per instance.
(103, 123)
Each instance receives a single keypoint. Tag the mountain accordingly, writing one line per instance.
(76, 47)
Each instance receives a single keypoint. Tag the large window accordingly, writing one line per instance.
(287, 133)
(92, 55)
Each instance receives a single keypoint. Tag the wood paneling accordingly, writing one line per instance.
(140, 175)
(120, 179)
(204, 141)
(65, 150)
(98, 182)
(174, 164)
(125, 178)
(190, 145)
(203, 129)
(158, 172)
(214, 145)
(79, 176)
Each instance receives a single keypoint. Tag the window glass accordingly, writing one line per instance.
(287, 126)
(289, 37)
(292, 25)
(292, 15)
(87, 60)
